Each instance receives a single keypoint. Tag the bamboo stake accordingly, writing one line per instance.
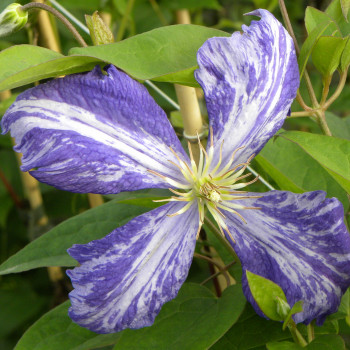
(47, 34)
(4, 95)
(193, 125)
(188, 102)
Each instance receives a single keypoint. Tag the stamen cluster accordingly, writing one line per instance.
(211, 187)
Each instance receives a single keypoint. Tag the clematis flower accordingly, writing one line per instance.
(103, 133)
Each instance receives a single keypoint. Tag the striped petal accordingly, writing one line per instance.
(300, 242)
(93, 132)
(126, 277)
(249, 81)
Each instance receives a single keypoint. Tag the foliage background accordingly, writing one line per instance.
(25, 297)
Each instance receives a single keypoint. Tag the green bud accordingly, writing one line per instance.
(99, 31)
(283, 308)
(12, 19)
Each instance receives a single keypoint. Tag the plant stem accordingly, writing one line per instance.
(297, 337)
(220, 267)
(225, 268)
(325, 91)
(297, 49)
(12, 193)
(310, 332)
(310, 90)
(222, 239)
(125, 19)
(302, 102)
(321, 118)
(158, 12)
(302, 114)
(338, 91)
(64, 20)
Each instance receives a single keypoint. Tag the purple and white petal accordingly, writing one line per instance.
(93, 132)
(249, 81)
(126, 277)
(300, 242)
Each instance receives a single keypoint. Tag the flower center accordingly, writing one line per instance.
(212, 186)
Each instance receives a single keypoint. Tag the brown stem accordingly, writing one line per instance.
(222, 239)
(209, 251)
(64, 20)
(288, 24)
(289, 27)
(220, 267)
(10, 190)
(218, 273)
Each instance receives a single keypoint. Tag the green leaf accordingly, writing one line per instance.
(323, 342)
(265, 293)
(345, 5)
(331, 153)
(164, 54)
(327, 342)
(193, 321)
(335, 11)
(314, 16)
(300, 175)
(26, 64)
(340, 127)
(56, 331)
(154, 54)
(285, 345)
(327, 53)
(176, 119)
(251, 332)
(309, 44)
(297, 307)
(51, 248)
(19, 304)
(345, 57)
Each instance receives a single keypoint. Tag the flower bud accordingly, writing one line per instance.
(283, 308)
(99, 31)
(12, 19)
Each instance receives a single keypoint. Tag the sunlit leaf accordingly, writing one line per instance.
(326, 54)
(332, 153)
(265, 293)
(309, 44)
(157, 53)
(298, 172)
